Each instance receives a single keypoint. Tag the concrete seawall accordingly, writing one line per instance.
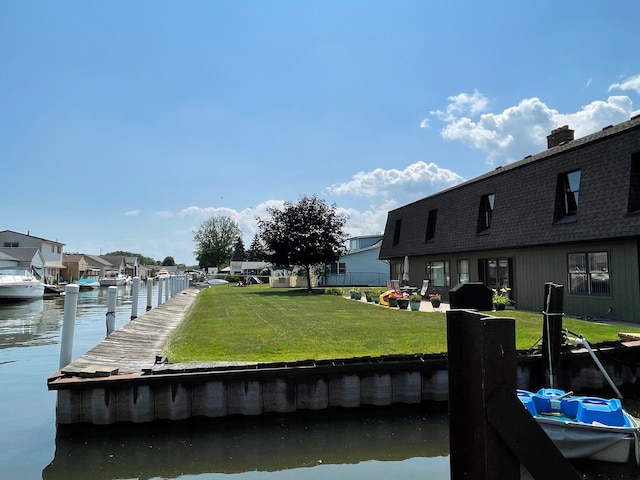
(120, 381)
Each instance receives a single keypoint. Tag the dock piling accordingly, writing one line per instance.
(112, 296)
(149, 285)
(68, 323)
(135, 289)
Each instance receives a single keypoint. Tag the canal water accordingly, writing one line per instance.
(401, 443)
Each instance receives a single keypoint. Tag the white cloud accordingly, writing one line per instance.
(164, 213)
(380, 182)
(522, 129)
(631, 83)
(132, 213)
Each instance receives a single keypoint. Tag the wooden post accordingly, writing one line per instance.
(68, 323)
(159, 291)
(552, 331)
(491, 432)
(112, 296)
(481, 360)
(149, 285)
(135, 291)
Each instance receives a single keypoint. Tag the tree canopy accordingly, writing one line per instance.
(303, 234)
(239, 254)
(168, 262)
(215, 240)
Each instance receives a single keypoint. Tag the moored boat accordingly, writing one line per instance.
(113, 278)
(88, 283)
(18, 284)
(584, 427)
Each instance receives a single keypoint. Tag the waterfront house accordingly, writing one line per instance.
(569, 215)
(52, 251)
(360, 265)
(22, 258)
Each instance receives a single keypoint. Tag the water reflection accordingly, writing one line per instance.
(27, 324)
(270, 444)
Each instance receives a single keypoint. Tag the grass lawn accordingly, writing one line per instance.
(256, 323)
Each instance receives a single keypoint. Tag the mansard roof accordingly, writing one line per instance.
(525, 201)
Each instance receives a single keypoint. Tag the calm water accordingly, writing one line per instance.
(409, 443)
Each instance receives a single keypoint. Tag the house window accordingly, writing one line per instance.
(589, 273)
(485, 213)
(634, 184)
(567, 196)
(496, 272)
(396, 231)
(438, 274)
(338, 268)
(463, 271)
(11, 244)
(431, 225)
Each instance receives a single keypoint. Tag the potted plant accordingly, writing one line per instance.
(375, 295)
(435, 299)
(414, 301)
(403, 302)
(355, 294)
(367, 295)
(393, 299)
(501, 298)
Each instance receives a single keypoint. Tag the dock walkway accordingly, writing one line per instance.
(134, 348)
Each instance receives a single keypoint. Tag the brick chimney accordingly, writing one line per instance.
(559, 136)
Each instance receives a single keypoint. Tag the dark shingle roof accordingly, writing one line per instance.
(525, 199)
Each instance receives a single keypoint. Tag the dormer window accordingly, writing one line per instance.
(431, 225)
(567, 196)
(396, 231)
(485, 213)
(634, 184)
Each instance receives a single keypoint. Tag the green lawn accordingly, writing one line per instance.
(256, 323)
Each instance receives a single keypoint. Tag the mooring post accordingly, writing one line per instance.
(552, 331)
(68, 323)
(112, 296)
(135, 290)
(159, 291)
(167, 285)
(491, 432)
(149, 284)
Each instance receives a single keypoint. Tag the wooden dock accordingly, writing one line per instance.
(135, 347)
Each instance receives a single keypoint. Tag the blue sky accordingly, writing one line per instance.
(125, 125)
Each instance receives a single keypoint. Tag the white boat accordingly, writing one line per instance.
(162, 273)
(584, 427)
(19, 285)
(113, 278)
(88, 283)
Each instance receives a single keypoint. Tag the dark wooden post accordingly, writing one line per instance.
(491, 432)
(482, 359)
(552, 331)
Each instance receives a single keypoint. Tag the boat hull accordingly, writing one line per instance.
(584, 427)
(18, 285)
(593, 442)
(112, 282)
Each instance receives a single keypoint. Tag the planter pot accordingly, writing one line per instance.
(357, 296)
(393, 302)
(376, 300)
(369, 298)
(500, 306)
(403, 303)
(435, 303)
(415, 306)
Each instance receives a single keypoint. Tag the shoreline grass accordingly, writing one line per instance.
(260, 324)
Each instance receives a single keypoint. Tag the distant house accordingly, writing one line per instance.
(569, 215)
(79, 265)
(51, 250)
(247, 268)
(360, 265)
(22, 258)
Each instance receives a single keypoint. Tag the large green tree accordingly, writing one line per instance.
(303, 234)
(256, 252)
(239, 254)
(215, 240)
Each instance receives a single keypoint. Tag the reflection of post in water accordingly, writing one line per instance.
(267, 444)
